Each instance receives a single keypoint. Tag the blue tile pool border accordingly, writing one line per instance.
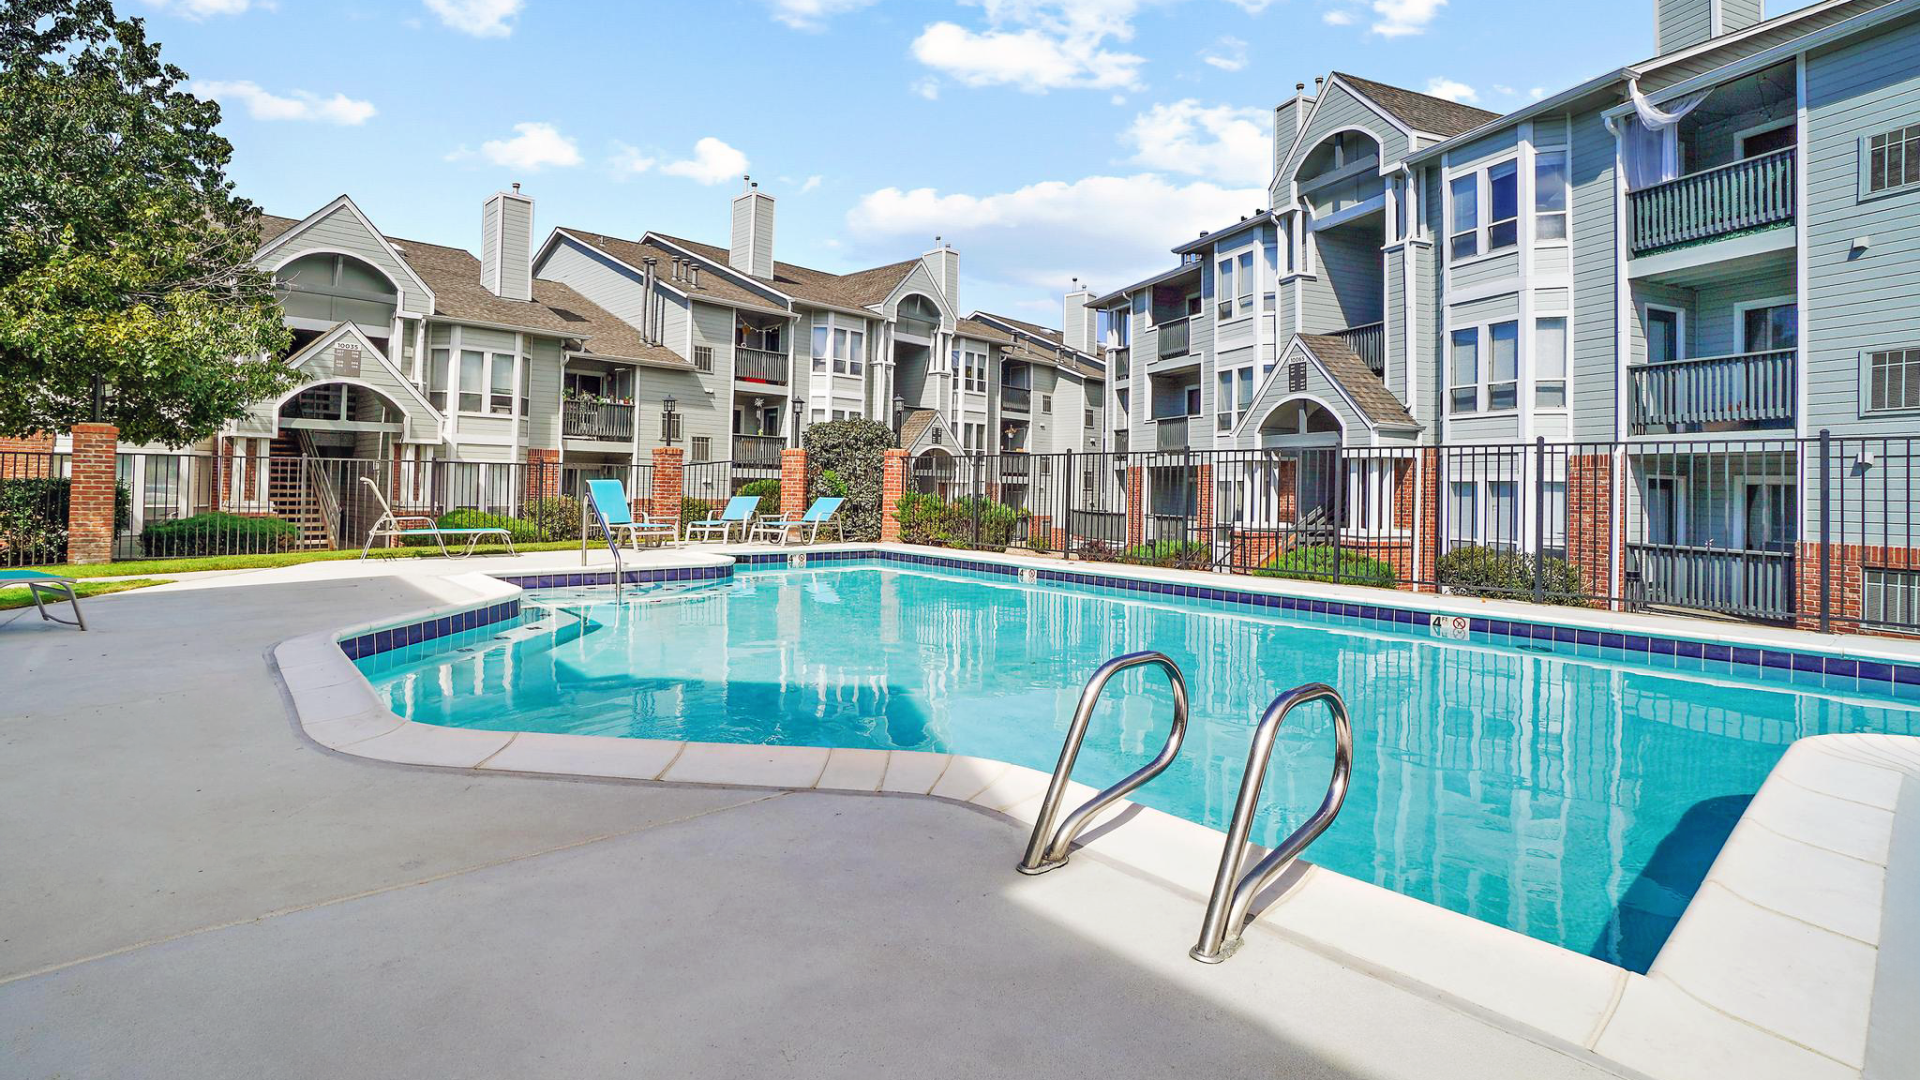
(375, 642)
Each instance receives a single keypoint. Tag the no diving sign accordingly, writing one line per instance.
(1449, 626)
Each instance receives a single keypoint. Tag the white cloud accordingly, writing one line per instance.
(1221, 142)
(629, 161)
(1537, 93)
(201, 9)
(1229, 53)
(262, 105)
(813, 182)
(1452, 90)
(1252, 7)
(481, 18)
(812, 14)
(1400, 18)
(928, 88)
(1037, 46)
(712, 162)
(534, 146)
(1506, 90)
(1337, 17)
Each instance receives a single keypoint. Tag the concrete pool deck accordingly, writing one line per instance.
(197, 889)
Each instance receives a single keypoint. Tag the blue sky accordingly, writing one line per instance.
(1045, 139)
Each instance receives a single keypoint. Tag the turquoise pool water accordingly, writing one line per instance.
(1572, 799)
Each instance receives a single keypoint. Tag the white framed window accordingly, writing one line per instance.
(1666, 333)
(1223, 403)
(1890, 161)
(1463, 371)
(1503, 205)
(702, 448)
(1767, 325)
(1246, 283)
(1767, 138)
(1503, 366)
(1550, 362)
(1223, 289)
(1554, 528)
(438, 372)
(1769, 520)
(1463, 218)
(1463, 512)
(839, 351)
(1483, 512)
(1046, 403)
(1890, 381)
(1550, 195)
(1502, 526)
(1483, 212)
(1483, 368)
(821, 334)
(703, 358)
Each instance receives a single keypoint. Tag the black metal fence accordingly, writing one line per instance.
(34, 493)
(1815, 531)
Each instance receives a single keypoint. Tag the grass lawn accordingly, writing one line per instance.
(269, 559)
(19, 597)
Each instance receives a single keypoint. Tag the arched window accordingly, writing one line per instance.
(318, 291)
(919, 316)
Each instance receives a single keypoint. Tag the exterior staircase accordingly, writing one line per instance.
(292, 493)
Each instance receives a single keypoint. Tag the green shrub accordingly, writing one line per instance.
(33, 517)
(218, 533)
(977, 523)
(692, 510)
(1178, 554)
(556, 517)
(1491, 572)
(843, 461)
(768, 492)
(1315, 562)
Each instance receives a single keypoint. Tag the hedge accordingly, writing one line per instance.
(1316, 562)
(1491, 572)
(218, 533)
(1179, 554)
(769, 493)
(976, 523)
(844, 459)
(33, 517)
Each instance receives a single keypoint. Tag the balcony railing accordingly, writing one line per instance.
(1119, 361)
(1713, 202)
(1751, 584)
(1016, 398)
(1170, 433)
(1369, 343)
(1121, 439)
(593, 420)
(1713, 393)
(1175, 337)
(758, 450)
(761, 366)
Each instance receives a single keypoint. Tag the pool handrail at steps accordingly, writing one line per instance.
(1047, 849)
(1232, 897)
(589, 513)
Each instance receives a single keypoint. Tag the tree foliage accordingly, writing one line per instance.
(126, 259)
(844, 459)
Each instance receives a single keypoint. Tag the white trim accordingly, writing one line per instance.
(1800, 268)
(1680, 349)
(318, 215)
(314, 347)
(1740, 321)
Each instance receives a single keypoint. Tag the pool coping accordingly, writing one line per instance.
(1685, 1017)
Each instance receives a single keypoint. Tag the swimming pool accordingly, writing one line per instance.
(1574, 798)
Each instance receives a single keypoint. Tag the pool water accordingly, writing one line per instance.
(1574, 799)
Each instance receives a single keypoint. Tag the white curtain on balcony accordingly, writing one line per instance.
(1651, 139)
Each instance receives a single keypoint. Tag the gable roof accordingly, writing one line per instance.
(1036, 344)
(1421, 112)
(715, 285)
(1369, 394)
(982, 331)
(860, 289)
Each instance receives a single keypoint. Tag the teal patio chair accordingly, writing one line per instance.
(739, 511)
(35, 580)
(817, 517)
(610, 505)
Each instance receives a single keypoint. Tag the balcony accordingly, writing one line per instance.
(1118, 363)
(758, 451)
(760, 366)
(595, 420)
(1750, 584)
(1175, 337)
(1713, 393)
(1741, 197)
(1170, 433)
(1121, 440)
(1016, 399)
(1369, 343)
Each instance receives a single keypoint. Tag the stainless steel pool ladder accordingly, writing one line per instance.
(589, 513)
(1233, 893)
(1048, 848)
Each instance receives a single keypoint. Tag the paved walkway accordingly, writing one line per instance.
(193, 889)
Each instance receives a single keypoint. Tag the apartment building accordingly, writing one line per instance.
(1678, 274)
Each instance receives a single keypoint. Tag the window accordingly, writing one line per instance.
(1463, 512)
(819, 416)
(473, 380)
(1893, 380)
(1550, 363)
(1503, 377)
(1663, 335)
(1554, 528)
(1770, 140)
(840, 352)
(1463, 371)
(1503, 514)
(702, 448)
(1503, 206)
(1223, 288)
(1893, 160)
(703, 358)
(1088, 422)
(1046, 403)
(1465, 242)
(1246, 283)
(856, 351)
(1769, 328)
(526, 389)
(1223, 403)
(500, 400)
(820, 348)
(437, 379)
(976, 369)
(1891, 596)
(1771, 522)
(1550, 196)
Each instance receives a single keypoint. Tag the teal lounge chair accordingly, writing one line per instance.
(739, 512)
(35, 580)
(393, 525)
(616, 516)
(817, 517)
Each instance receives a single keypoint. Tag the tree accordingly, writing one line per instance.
(126, 259)
(844, 460)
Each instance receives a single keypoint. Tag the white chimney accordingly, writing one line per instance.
(1678, 24)
(751, 251)
(944, 264)
(1077, 329)
(506, 245)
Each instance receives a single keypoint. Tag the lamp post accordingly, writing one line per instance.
(667, 418)
(899, 413)
(799, 407)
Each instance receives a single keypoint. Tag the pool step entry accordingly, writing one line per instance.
(1047, 849)
(1233, 893)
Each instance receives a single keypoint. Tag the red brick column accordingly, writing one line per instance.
(1205, 481)
(1590, 521)
(893, 484)
(793, 482)
(1427, 524)
(26, 457)
(667, 483)
(543, 474)
(1136, 506)
(90, 502)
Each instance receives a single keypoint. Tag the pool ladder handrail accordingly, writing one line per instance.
(589, 513)
(1047, 848)
(1233, 894)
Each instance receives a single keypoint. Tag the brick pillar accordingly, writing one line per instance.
(1205, 480)
(26, 457)
(667, 483)
(793, 482)
(1590, 521)
(90, 501)
(1136, 506)
(1846, 591)
(893, 484)
(543, 474)
(1427, 466)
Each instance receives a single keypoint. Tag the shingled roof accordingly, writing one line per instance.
(713, 285)
(860, 289)
(1421, 112)
(1361, 384)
